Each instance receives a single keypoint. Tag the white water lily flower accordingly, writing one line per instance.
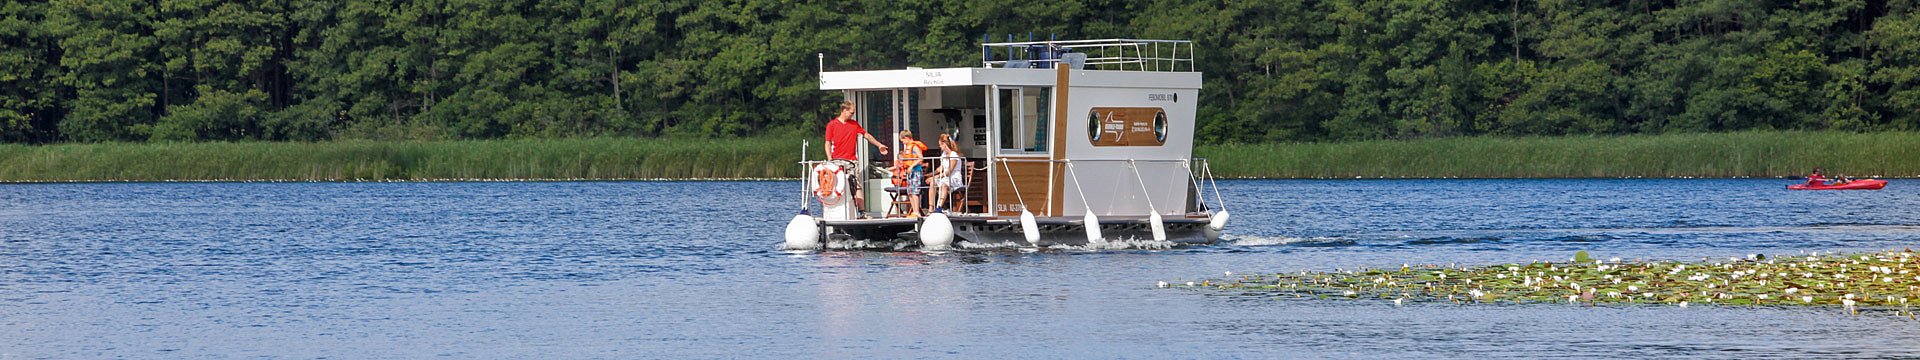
(1163, 284)
(1189, 283)
(1572, 298)
(1633, 288)
(1229, 273)
(1396, 302)
(1683, 304)
(1849, 297)
(1347, 293)
(1792, 290)
(1763, 296)
(1379, 280)
(1499, 276)
(1806, 299)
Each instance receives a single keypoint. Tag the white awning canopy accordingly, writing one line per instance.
(918, 78)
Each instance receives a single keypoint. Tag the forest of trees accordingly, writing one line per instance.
(191, 70)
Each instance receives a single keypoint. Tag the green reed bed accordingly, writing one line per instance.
(1740, 154)
(592, 158)
(1744, 154)
(1884, 280)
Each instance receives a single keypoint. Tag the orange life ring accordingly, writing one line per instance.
(826, 183)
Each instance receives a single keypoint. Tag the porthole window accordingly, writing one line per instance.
(1160, 127)
(1093, 126)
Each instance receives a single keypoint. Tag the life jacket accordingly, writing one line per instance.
(910, 153)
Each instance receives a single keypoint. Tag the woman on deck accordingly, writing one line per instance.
(948, 178)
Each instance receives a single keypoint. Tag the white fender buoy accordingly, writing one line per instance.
(802, 233)
(1029, 228)
(1216, 227)
(936, 232)
(1159, 227)
(1093, 228)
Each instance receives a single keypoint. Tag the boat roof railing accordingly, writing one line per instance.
(1101, 54)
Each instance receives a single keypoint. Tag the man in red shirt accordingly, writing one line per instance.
(843, 145)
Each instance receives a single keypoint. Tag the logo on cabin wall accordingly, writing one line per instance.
(1127, 126)
(1173, 97)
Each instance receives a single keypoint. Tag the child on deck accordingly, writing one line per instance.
(907, 168)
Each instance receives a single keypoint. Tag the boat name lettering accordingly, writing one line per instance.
(1174, 97)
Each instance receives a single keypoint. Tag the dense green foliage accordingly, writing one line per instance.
(1741, 154)
(134, 70)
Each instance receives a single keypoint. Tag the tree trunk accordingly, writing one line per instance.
(614, 59)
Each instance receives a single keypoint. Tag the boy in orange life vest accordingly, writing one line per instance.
(843, 146)
(906, 170)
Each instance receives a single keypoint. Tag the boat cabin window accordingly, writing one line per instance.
(1024, 115)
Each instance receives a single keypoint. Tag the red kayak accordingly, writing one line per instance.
(1869, 184)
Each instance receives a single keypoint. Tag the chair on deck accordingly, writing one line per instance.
(965, 198)
(900, 199)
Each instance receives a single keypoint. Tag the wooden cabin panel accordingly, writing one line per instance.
(1030, 178)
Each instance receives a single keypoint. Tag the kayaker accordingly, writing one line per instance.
(1816, 179)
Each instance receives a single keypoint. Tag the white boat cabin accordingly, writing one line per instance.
(1057, 128)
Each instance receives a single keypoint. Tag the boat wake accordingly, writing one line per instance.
(1256, 240)
(1119, 244)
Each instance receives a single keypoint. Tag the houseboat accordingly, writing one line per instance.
(1074, 143)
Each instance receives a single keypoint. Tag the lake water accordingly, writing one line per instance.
(691, 270)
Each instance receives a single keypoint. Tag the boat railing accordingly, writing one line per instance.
(1198, 170)
(1199, 173)
(1101, 54)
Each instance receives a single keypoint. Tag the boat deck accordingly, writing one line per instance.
(999, 220)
